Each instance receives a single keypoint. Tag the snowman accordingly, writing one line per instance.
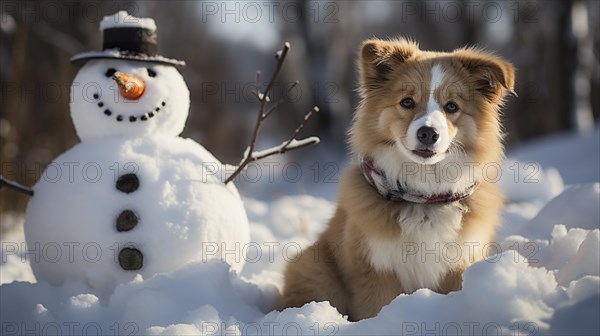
(132, 198)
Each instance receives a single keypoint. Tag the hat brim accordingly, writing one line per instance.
(82, 58)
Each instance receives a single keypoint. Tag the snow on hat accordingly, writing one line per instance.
(127, 37)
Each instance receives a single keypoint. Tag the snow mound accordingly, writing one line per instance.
(547, 285)
(576, 207)
(545, 280)
(574, 155)
(526, 181)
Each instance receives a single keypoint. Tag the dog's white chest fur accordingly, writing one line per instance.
(426, 250)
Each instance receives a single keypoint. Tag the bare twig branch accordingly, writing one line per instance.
(280, 56)
(301, 126)
(286, 147)
(15, 186)
(263, 98)
(291, 143)
(258, 73)
(282, 99)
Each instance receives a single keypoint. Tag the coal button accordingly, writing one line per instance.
(131, 259)
(128, 183)
(126, 221)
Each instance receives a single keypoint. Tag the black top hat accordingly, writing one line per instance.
(128, 38)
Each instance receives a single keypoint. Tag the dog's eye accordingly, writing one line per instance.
(151, 72)
(110, 72)
(407, 103)
(451, 107)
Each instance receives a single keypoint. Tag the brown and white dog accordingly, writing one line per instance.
(417, 205)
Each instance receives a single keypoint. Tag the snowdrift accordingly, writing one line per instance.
(544, 279)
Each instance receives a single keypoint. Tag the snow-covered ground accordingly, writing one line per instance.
(545, 278)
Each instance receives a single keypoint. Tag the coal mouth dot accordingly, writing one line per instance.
(133, 118)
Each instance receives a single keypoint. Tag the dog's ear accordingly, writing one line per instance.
(492, 76)
(378, 57)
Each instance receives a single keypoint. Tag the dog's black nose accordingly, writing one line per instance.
(428, 135)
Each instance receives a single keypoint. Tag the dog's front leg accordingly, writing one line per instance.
(375, 291)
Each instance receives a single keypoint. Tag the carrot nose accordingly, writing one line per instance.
(131, 87)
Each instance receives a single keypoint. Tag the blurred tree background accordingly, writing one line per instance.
(553, 44)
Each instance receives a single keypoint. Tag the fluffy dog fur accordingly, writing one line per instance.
(375, 249)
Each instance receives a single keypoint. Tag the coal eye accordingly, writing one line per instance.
(451, 107)
(151, 72)
(407, 103)
(110, 72)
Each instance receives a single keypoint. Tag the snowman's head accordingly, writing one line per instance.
(128, 98)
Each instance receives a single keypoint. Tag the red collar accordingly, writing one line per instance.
(397, 193)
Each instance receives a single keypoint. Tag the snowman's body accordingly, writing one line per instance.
(181, 211)
(133, 197)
